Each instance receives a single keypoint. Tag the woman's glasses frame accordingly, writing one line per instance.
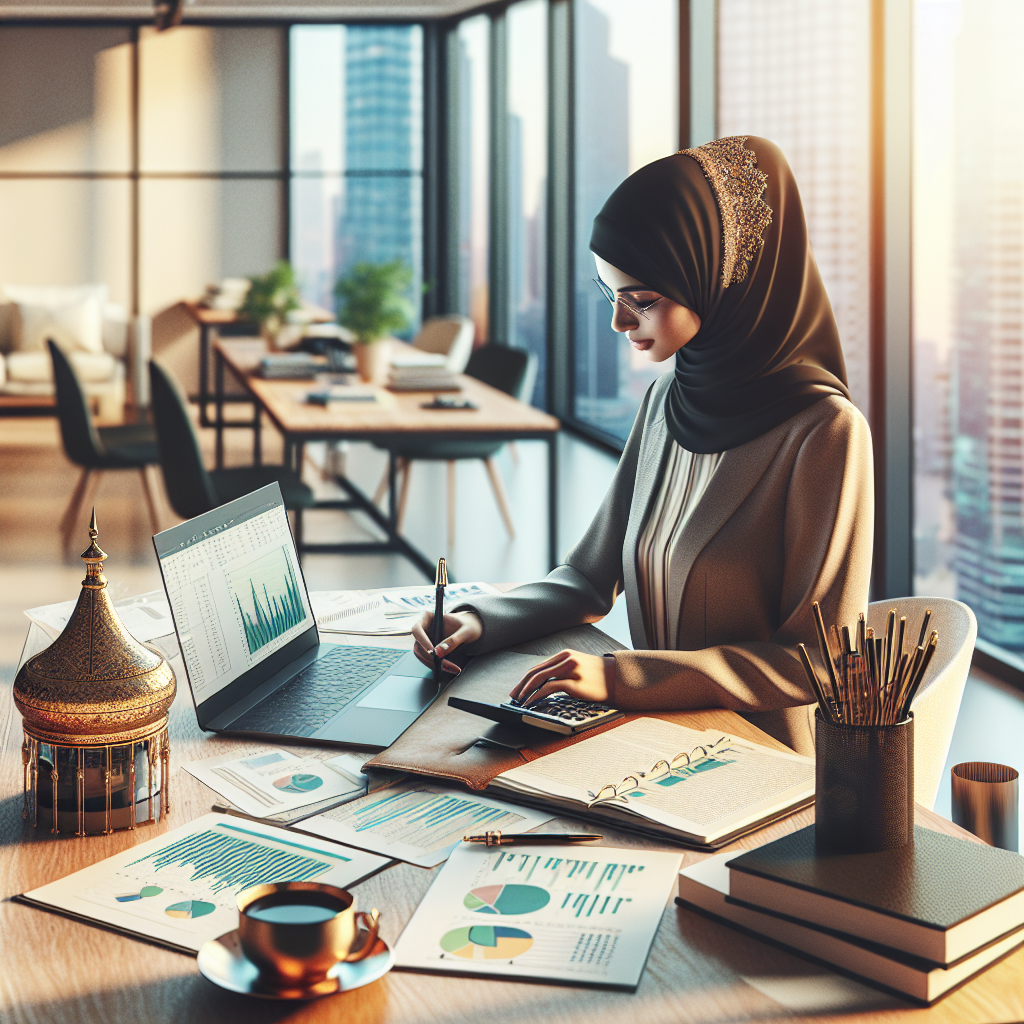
(613, 299)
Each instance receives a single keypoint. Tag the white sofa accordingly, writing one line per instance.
(96, 334)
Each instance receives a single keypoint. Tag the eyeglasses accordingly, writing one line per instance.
(684, 763)
(614, 298)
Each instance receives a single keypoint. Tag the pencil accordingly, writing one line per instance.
(440, 582)
(812, 678)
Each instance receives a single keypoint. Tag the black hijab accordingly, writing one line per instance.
(720, 229)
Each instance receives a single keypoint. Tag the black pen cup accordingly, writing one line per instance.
(864, 786)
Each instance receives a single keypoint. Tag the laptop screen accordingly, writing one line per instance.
(235, 588)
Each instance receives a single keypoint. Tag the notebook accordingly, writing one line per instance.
(939, 898)
(705, 887)
(699, 787)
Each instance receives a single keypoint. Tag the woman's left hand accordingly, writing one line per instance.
(580, 675)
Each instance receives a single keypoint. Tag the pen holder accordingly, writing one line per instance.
(864, 786)
(985, 800)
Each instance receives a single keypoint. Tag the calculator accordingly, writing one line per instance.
(557, 713)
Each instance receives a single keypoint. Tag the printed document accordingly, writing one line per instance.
(179, 888)
(419, 822)
(581, 915)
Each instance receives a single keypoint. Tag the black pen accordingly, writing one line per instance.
(440, 582)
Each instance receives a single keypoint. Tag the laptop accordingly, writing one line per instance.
(248, 638)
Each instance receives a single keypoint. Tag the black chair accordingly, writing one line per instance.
(511, 370)
(96, 449)
(191, 489)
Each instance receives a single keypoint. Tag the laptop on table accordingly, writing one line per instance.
(248, 638)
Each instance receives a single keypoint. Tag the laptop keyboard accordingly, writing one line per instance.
(318, 693)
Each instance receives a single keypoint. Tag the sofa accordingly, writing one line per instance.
(97, 335)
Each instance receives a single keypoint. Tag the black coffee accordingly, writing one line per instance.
(295, 908)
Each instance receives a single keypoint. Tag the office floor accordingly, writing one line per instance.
(37, 480)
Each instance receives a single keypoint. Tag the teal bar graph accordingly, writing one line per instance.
(227, 862)
(268, 598)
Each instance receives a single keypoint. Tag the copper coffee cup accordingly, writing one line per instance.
(295, 932)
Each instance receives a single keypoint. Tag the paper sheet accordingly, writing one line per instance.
(419, 822)
(146, 616)
(180, 888)
(383, 613)
(269, 781)
(551, 912)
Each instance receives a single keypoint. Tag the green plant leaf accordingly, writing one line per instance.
(373, 299)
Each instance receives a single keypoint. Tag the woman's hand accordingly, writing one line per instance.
(459, 628)
(585, 676)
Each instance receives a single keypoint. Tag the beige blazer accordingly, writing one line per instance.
(785, 521)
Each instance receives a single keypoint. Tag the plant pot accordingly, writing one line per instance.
(371, 361)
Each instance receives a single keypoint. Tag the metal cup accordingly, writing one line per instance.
(985, 802)
(291, 955)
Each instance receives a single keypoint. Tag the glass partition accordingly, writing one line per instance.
(473, 172)
(527, 182)
(968, 288)
(626, 115)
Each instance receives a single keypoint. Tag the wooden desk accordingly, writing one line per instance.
(53, 969)
(209, 320)
(499, 417)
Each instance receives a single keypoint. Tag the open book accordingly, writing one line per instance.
(699, 787)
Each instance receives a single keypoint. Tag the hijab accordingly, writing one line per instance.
(720, 230)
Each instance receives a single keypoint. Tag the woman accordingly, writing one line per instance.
(744, 492)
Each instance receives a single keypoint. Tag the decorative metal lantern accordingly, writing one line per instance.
(94, 703)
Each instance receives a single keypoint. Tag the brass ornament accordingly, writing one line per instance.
(95, 706)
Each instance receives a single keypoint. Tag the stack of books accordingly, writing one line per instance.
(291, 366)
(422, 378)
(920, 920)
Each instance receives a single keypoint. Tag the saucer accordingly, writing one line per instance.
(223, 962)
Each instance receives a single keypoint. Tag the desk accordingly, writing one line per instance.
(61, 971)
(499, 417)
(209, 320)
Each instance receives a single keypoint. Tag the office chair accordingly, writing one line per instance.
(96, 449)
(938, 701)
(449, 336)
(191, 489)
(511, 370)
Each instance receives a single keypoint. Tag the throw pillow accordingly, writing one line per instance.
(75, 326)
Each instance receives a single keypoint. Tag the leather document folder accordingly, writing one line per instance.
(447, 743)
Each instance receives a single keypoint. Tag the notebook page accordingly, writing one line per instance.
(739, 783)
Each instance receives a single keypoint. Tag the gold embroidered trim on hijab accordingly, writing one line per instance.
(732, 170)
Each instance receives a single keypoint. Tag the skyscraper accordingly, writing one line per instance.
(380, 216)
(986, 384)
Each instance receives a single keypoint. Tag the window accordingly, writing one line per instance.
(473, 114)
(797, 72)
(968, 294)
(626, 100)
(527, 182)
(356, 151)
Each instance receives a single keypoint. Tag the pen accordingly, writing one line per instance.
(440, 582)
(531, 838)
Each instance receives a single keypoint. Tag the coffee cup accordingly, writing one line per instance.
(295, 932)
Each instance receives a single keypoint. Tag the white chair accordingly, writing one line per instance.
(938, 701)
(450, 336)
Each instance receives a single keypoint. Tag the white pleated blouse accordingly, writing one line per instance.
(686, 479)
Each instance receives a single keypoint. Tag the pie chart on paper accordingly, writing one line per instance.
(506, 899)
(190, 909)
(484, 942)
(300, 783)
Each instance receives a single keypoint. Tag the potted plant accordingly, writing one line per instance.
(373, 302)
(270, 302)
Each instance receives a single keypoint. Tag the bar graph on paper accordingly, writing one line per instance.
(423, 817)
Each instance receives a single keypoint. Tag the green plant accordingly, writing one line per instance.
(373, 299)
(271, 297)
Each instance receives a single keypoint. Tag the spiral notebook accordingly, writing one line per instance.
(702, 788)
